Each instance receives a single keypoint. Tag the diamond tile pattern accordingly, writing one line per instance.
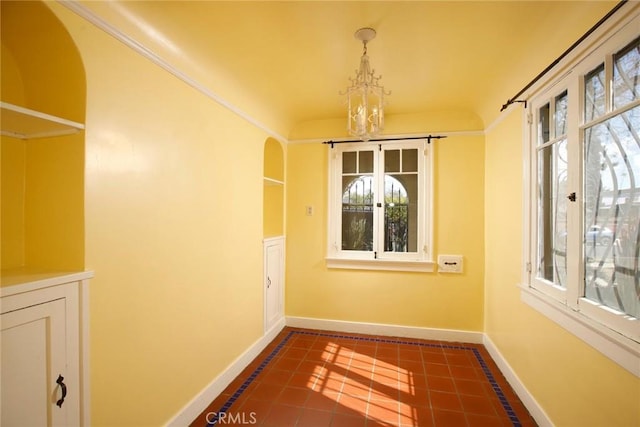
(309, 378)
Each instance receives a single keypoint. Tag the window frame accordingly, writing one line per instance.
(607, 331)
(420, 261)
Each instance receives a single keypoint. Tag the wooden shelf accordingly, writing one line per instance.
(271, 181)
(23, 123)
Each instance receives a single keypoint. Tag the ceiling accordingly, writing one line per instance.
(296, 56)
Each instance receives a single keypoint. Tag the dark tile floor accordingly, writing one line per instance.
(309, 378)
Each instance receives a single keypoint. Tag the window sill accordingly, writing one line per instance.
(381, 264)
(622, 350)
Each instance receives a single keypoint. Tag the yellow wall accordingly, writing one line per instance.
(42, 179)
(575, 384)
(54, 203)
(13, 170)
(173, 194)
(273, 209)
(431, 300)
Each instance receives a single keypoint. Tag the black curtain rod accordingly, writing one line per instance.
(427, 137)
(561, 57)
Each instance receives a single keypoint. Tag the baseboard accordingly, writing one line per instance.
(199, 403)
(527, 399)
(385, 329)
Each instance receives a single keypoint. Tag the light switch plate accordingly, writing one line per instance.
(450, 263)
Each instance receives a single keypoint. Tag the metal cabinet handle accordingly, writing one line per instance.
(63, 386)
(268, 282)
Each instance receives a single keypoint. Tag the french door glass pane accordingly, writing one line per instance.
(594, 99)
(612, 212)
(401, 200)
(552, 213)
(544, 128)
(366, 161)
(400, 212)
(560, 117)
(357, 200)
(626, 75)
(392, 160)
(410, 160)
(350, 162)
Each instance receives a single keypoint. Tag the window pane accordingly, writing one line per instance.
(552, 213)
(410, 160)
(400, 213)
(349, 162)
(543, 124)
(612, 212)
(594, 94)
(366, 162)
(357, 213)
(626, 75)
(392, 160)
(560, 116)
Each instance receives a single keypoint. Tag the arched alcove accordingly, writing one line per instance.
(43, 110)
(273, 201)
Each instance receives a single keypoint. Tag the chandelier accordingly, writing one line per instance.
(365, 95)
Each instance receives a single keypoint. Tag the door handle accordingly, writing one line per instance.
(63, 386)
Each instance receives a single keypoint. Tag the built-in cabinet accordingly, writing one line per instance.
(273, 282)
(274, 241)
(44, 378)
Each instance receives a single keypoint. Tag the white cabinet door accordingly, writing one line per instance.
(33, 356)
(273, 282)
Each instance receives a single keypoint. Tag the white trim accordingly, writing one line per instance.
(380, 264)
(85, 372)
(21, 280)
(200, 402)
(620, 349)
(532, 405)
(139, 48)
(502, 117)
(416, 332)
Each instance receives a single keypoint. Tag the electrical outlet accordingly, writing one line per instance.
(309, 210)
(450, 263)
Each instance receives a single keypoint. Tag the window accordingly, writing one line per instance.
(583, 222)
(379, 206)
